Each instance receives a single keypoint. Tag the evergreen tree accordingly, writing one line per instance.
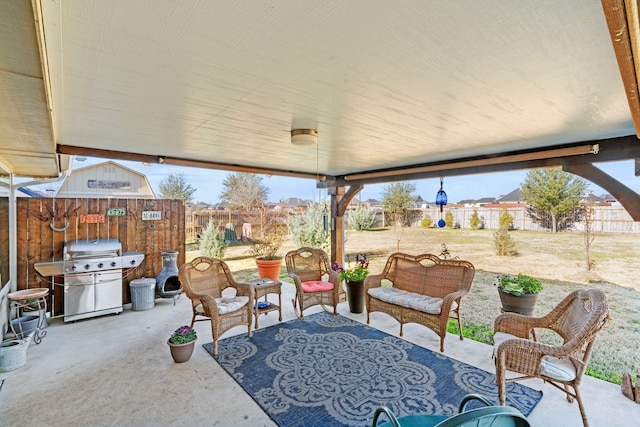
(552, 192)
(175, 186)
(475, 219)
(397, 200)
(212, 242)
(361, 219)
(506, 219)
(448, 219)
(311, 227)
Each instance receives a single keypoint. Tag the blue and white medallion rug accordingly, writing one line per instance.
(328, 370)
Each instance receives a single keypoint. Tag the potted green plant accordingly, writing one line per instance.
(181, 343)
(354, 276)
(518, 293)
(267, 253)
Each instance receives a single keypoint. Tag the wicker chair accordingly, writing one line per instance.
(203, 280)
(576, 319)
(316, 283)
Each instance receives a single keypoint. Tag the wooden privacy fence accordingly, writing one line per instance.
(147, 226)
(227, 220)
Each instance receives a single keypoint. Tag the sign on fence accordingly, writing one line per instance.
(151, 215)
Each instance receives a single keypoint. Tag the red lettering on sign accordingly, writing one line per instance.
(92, 219)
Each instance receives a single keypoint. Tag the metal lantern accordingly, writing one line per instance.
(441, 200)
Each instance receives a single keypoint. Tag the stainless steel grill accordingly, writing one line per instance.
(92, 272)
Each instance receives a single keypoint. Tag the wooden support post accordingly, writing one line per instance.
(339, 202)
(336, 226)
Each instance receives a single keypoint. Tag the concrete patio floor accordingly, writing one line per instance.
(117, 370)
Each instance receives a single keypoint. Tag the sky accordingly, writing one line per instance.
(208, 182)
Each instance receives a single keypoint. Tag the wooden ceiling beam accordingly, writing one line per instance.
(612, 149)
(177, 161)
(628, 198)
(622, 20)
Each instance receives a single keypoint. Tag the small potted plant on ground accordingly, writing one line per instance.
(267, 253)
(354, 277)
(518, 293)
(181, 343)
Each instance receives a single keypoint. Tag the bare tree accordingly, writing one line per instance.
(244, 191)
(587, 231)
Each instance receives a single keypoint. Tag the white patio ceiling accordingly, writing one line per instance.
(387, 84)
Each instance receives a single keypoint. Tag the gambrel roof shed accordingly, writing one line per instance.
(106, 180)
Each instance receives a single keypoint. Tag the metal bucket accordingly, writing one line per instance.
(13, 354)
(25, 325)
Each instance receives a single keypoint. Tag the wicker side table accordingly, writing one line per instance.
(261, 288)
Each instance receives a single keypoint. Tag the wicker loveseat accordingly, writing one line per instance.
(424, 289)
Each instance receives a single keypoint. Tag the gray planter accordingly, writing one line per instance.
(13, 354)
(24, 325)
(523, 304)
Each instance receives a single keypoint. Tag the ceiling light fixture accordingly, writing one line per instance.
(304, 137)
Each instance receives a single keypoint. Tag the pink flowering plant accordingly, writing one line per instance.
(356, 272)
(183, 335)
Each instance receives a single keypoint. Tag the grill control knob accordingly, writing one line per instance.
(73, 268)
(113, 264)
(100, 265)
(87, 266)
(133, 262)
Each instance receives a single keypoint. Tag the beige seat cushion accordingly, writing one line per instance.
(229, 304)
(552, 367)
(411, 300)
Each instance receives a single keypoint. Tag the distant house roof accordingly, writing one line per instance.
(514, 196)
(482, 201)
(199, 206)
(292, 202)
(220, 205)
(608, 198)
(593, 198)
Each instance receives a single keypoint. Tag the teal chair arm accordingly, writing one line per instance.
(384, 410)
(495, 416)
(491, 414)
(470, 397)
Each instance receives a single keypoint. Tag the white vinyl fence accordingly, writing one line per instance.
(606, 219)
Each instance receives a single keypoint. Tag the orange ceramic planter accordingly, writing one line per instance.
(269, 269)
